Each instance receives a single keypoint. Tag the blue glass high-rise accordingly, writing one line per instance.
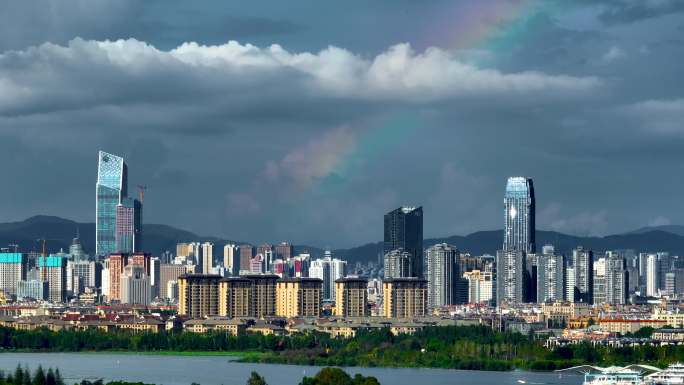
(519, 230)
(112, 184)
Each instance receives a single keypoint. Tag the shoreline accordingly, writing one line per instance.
(180, 353)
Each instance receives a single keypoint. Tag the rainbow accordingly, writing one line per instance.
(487, 25)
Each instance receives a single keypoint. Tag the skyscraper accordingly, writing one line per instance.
(246, 255)
(652, 278)
(230, 258)
(583, 267)
(519, 230)
(404, 230)
(135, 286)
(53, 270)
(111, 187)
(128, 234)
(550, 276)
(397, 264)
(616, 279)
(442, 274)
(12, 270)
(516, 282)
(510, 276)
(207, 260)
(328, 270)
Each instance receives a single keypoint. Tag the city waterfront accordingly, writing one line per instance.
(217, 370)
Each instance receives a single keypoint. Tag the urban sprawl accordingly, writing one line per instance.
(601, 296)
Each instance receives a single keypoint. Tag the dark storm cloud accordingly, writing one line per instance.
(361, 108)
(162, 23)
(629, 11)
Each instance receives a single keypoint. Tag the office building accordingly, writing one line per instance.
(665, 265)
(519, 204)
(12, 270)
(267, 255)
(231, 258)
(351, 297)
(155, 276)
(167, 273)
(298, 297)
(480, 286)
(599, 281)
(510, 285)
(116, 263)
(583, 266)
(135, 286)
(53, 270)
(82, 274)
(616, 279)
(198, 295)
(404, 298)
(207, 260)
(128, 234)
(32, 289)
(111, 187)
(300, 265)
(652, 278)
(141, 259)
(397, 264)
(550, 276)
(183, 250)
(570, 284)
(442, 274)
(246, 255)
(171, 292)
(284, 251)
(328, 270)
(257, 265)
(404, 230)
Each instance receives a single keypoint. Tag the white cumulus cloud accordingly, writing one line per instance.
(86, 73)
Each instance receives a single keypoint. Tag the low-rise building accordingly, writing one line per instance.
(232, 326)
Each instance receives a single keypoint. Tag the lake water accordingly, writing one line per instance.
(182, 370)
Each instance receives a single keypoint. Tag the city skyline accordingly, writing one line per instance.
(287, 117)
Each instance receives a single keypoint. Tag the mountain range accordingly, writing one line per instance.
(59, 232)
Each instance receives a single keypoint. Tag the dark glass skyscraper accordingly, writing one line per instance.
(519, 214)
(404, 230)
(111, 187)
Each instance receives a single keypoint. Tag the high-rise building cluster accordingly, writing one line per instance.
(240, 280)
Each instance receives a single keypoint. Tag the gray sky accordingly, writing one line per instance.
(307, 120)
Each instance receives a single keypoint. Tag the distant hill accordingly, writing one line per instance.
(59, 232)
(489, 241)
(674, 229)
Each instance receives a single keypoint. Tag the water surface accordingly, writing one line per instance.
(221, 370)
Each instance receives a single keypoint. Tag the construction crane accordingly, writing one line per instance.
(43, 253)
(141, 192)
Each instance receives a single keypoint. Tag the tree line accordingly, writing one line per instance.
(456, 347)
(326, 376)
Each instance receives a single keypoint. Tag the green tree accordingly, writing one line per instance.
(256, 379)
(18, 378)
(39, 376)
(50, 377)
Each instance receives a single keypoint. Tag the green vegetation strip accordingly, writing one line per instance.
(451, 347)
